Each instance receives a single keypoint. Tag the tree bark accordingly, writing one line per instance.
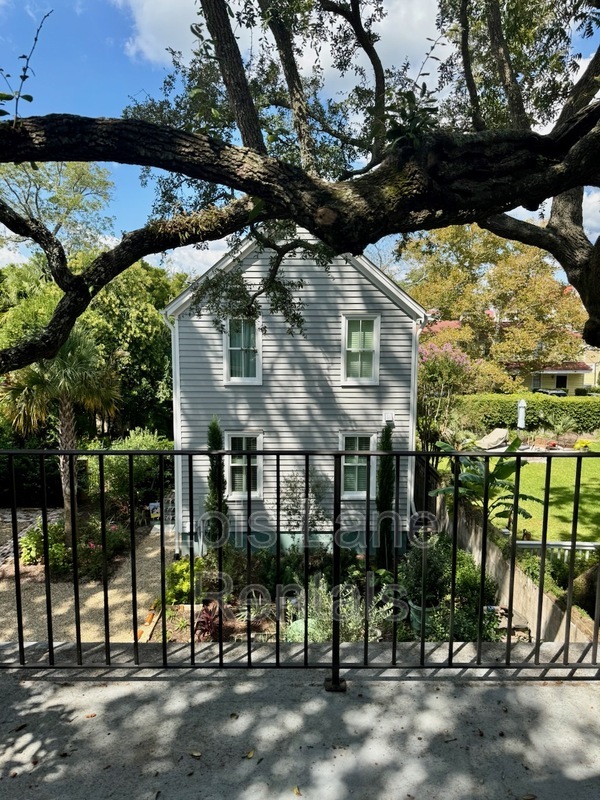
(67, 440)
(451, 178)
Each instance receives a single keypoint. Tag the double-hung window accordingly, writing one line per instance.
(354, 467)
(242, 345)
(244, 469)
(360, 349)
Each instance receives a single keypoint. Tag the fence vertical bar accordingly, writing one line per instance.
(220, 493)
(368, 588)
(484, 539)
(107, 655)
(576, 494)
(190, 470)
(134, 603)
(305, 542)
(422, 627)
(249, 551)
(455, 500)
(17, 565)
(335, 683)
(395, 550)
(73, 491)
(545, 514)
(277, 558)
(163, 555)
(596, 620)
(513, 557)
(46, 547)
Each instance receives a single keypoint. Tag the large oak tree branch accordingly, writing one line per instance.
(351, 13)
(208, 225)
(299, 105)
(53, 250)
(506, 73)
(451, 179)
(465, 52)
(233, 72)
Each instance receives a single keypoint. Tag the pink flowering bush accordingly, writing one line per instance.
(444, 372)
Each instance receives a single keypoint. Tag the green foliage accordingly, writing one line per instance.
(146, 471)
(216, 476)
(500, 411)
(32, 547)
(298, 510)
(90, 553)
(559, 422)
(499, 481)
(438, 569)
(351, 614)
(68, 198)
(443, 373)
(537, 34)
(438, 591)
(131, 335)
(177, 580)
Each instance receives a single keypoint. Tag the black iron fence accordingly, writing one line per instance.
(291, 559)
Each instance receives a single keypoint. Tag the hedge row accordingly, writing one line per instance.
(500, 410)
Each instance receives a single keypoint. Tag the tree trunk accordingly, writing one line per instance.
(67, 441)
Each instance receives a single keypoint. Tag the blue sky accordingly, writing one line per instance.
(94, 55)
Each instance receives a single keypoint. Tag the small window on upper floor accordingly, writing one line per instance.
(360, 349)
(242, 352)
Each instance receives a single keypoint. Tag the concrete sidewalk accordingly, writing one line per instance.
(277, 734)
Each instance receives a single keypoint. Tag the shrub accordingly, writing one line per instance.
(32, 548)
(146, 471)
(90, 558)
(438, 588)
(351, 612)
(500, 411)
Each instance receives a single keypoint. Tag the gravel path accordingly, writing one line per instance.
(33, 595)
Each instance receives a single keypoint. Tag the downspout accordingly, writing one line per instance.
(176, 433)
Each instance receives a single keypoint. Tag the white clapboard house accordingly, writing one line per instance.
(332, 389)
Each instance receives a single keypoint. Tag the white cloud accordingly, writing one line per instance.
(157, 25)
(8, 256)
(591, 213)
(190, 260)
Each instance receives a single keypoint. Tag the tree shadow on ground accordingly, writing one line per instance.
(278, 734)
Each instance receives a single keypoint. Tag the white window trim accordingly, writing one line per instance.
(374, 379)
(258, 494)
(372, 446)
(227, 379)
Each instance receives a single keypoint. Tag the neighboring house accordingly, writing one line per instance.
(565, 376)
(330, 390)
(568, 376)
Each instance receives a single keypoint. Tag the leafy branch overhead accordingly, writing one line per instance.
(242, 138)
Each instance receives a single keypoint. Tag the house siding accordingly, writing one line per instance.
(301, 403)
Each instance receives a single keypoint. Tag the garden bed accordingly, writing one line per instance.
(178, 628)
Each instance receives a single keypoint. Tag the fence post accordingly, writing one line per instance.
(335, 684)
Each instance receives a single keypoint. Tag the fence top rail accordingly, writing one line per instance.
(426, 454)
(534, 544)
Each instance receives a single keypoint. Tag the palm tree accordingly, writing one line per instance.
(48, 391)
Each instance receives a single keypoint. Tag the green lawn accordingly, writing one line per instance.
(560, 518)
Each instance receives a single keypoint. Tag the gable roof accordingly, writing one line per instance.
(361, 263)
